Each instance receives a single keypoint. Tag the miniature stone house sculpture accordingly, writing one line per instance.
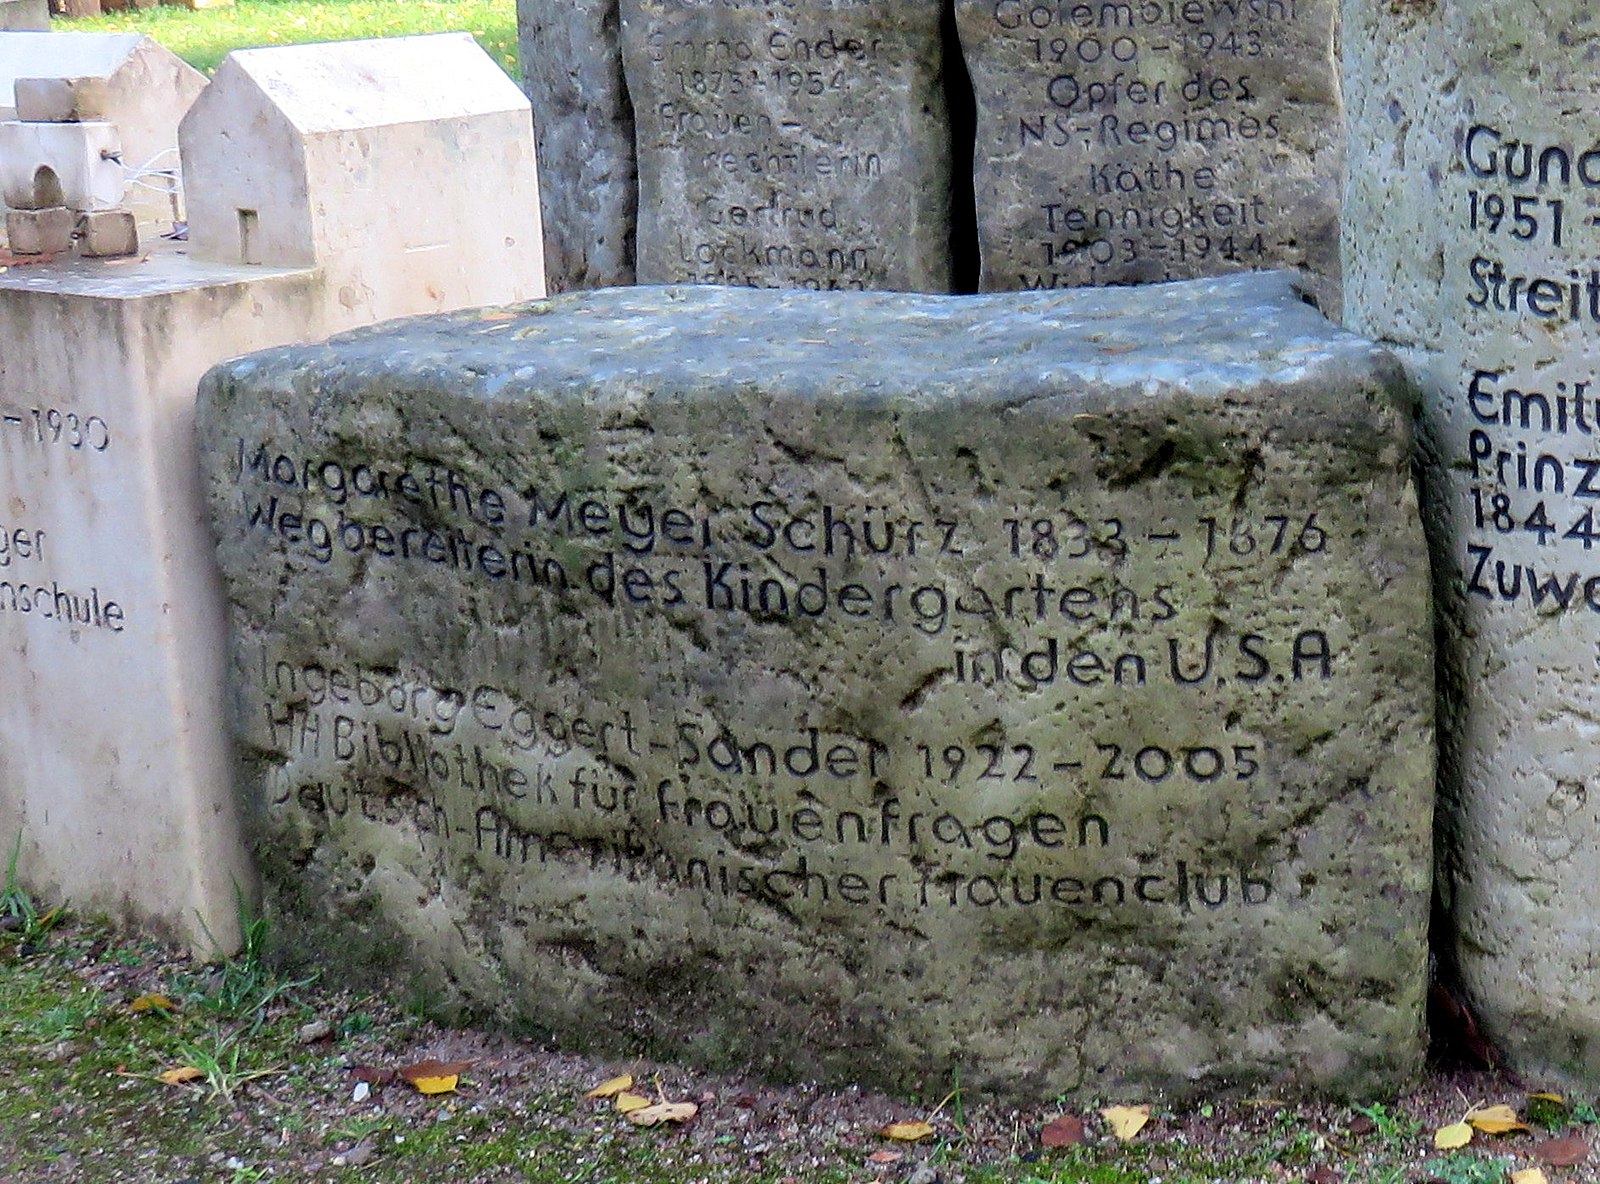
(88, 139)
(379, 162)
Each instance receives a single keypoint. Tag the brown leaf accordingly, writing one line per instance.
(1361, 1125)
(1325, 1175)
(907, 1132)
(373, 1076)
(885, 1157)
(663, 1112)
(1065, 1131)
(1561, 1152)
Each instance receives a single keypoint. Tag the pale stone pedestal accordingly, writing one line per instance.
(115, 770)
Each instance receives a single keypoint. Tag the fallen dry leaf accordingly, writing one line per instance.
(1496, 1120)
(663, 1112)
(373, 1076)
(884, 1156)
(1325, 1175)
(444, 1083)
(152, 1003)
(1066, 1131)
(1126, 1121)
(181, 1075)
(611, 1088)
(907, 1132)
(1529, 1176)
(1448, 1138)
(627, 1103)
(1561, 1152)
(1555, 1099)
(434, 1077)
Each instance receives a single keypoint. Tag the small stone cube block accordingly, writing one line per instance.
(108, 234)
(61, 100)
(40, 232)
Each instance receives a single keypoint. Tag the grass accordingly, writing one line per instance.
(82, 1098)
(203, 37)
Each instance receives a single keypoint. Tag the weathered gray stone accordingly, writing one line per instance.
(583, 127)
(1125, 143)
(1470, 242)
(19, 15)
(795, 144)
(868, 686)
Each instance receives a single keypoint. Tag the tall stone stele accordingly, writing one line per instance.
(1472, 244)
(793, 144)
(1123, 143)
(583, 122)
(880, 687)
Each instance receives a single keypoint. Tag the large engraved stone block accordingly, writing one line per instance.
(802, 144)
(1120, 143)
(865, 687)
(1473, 229)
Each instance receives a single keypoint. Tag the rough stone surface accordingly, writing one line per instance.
(791, 144)
(1470, 242)
(40, 232)
(1125, 143)
(61, 100)
(108, 234)
(862, 687)
(583, 123)
(24, 15)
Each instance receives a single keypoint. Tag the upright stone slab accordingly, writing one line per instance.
(863, 687)
(1472, 236)
(583, 122)
(1122, 143)
(802, 144)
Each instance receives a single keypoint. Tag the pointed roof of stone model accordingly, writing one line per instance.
(142, 74)
(343, 85)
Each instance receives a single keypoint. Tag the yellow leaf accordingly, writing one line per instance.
(907, 1132)
(180, 1075)
(1448, 1138)
(663, 1112)
(1496, 1120)
(435, 1085)
(610, 1089)
(629, 1102)
(1530, 1176)
(152, 1003)
(1126, 1121)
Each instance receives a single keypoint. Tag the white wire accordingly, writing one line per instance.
(173, 176)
